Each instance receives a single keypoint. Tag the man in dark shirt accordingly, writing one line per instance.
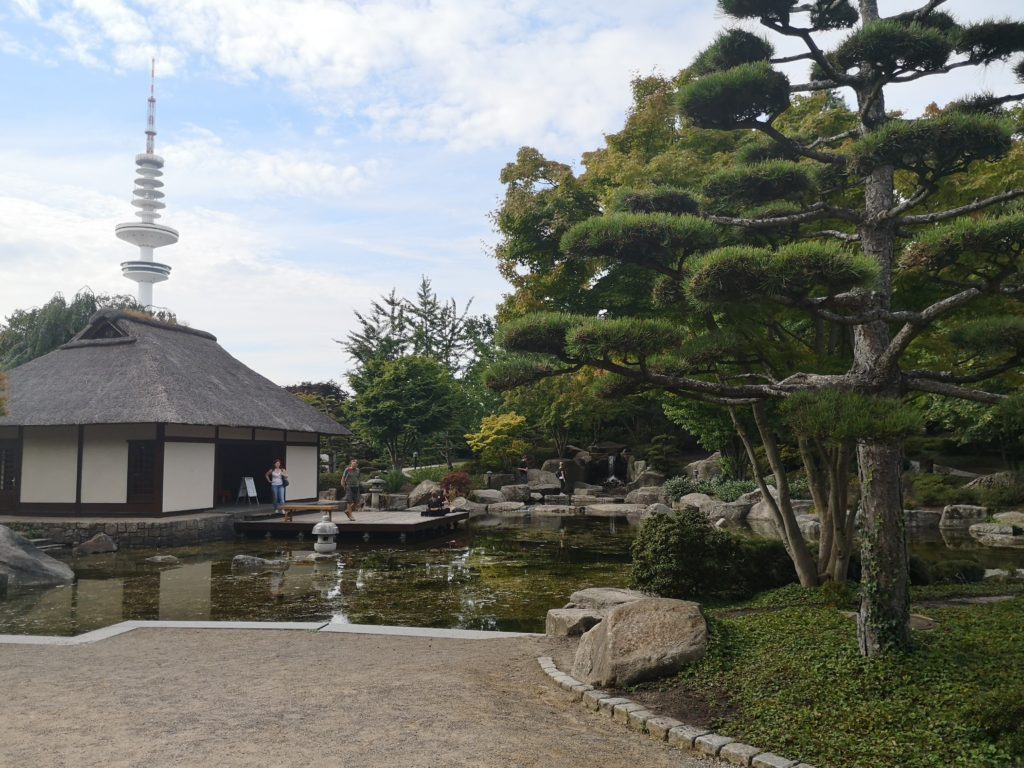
(350, 485)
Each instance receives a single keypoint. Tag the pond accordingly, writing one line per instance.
(494, 577)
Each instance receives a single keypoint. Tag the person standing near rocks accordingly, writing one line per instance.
(277, 476)
(350, 485)
(560, 474)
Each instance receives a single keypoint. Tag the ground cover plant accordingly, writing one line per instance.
(790, 679)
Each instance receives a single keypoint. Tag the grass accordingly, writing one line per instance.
(795, 683)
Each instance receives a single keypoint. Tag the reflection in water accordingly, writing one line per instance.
(497, 577)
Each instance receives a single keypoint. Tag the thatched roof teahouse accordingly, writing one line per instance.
(134, 416)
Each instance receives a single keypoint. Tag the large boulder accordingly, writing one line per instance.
(97, 545)
(755, 495)
(541, 476)
(508, 509)
(614, 510)
(649, 494)
(997, 480)
(698, 500)
(657, 509)
(646, 479)
(489, 496)
(330, 494)
(25, 566)
(581, 487)
(570, 622)
(1009, 518)
(603, 599)
(730, 514)
(421, 492)
(762, 510)
(641, 640)
(552, 509)
(997, 535)
(515, 492)
(396, 501)
(962, 515)
(705, 469)
(163, 560)
(810, 526)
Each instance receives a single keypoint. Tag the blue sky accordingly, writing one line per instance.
(318, 152)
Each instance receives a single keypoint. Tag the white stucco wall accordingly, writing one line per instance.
(105, 460)
(301, 461)
(49, 465)
(188, 476)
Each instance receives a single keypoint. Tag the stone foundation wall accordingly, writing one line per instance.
(137, 533)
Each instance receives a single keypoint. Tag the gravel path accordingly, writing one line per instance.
(228, 698)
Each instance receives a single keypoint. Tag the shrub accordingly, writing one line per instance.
(394, 479)
(677, 487)
(328, 480)
(684, 556)
(957, 572)
(727, 490)
(455, 484)
(938, 490)
(417, 476)
(920, 572)
(1000, 497)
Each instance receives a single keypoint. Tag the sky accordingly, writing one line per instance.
(318, 152)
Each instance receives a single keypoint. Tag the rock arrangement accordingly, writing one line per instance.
(23, 565)
(138, 533)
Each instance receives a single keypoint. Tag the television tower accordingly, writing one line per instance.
(146, 233)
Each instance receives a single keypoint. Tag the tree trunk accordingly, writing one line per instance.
(883, 623)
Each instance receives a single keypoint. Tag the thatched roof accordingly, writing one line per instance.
(127, 368)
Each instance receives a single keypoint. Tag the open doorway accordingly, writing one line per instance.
(237, 460)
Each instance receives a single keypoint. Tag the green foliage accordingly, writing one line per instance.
(968, 248)
(456, 484)
(394, 480)
(28, 334)
(402, 401)
(721, 488)
(418, 475)
(1003, 496)
(933, 490)
(751, 184)
(501, 440)
(653, 200)
(328, 480)
(889, 46)
(738, 274)
(833, 14)
(837, 416)
(989, 41)
(679, 486)
(768, 10)
(540, 332)
(517, 370)
(628, 337)
(634, 237)
(683, 556)
(957, 572)
(932, 148)
(730, 49)
(795, 681)
(735, 98)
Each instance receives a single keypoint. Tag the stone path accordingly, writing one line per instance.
(196, 697)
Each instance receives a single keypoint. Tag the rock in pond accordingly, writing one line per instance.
(650, 494)
(489, 496)
(614, 510)
(97, 545)
(1009, 518)
(26, 566)
(641, 640)
(997, 535)
(515, 492)
(603, 598)
(421, 492)
(508, 508)
(962, 515)
(163, 560)
(252, 563)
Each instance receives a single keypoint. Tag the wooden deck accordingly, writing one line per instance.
(368, 521)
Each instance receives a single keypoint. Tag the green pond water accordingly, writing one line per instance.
(482, 577)
(494, 575)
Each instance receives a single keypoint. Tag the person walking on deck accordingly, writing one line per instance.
(350, 484)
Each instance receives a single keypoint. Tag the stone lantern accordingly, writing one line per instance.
(376, 488)
(325, 531)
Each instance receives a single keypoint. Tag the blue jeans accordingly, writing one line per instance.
(278, 494)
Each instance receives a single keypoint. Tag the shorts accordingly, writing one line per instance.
(352, 495)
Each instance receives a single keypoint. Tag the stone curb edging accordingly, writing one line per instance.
(308, 626)
(690, 738)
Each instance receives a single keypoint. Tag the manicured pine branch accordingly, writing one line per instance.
(915, 327)
(846, 237)
(815, 52)
(822, 157)
(851, 134)
(922, 194)
(814, 86)
(968, 378)
(917, 75)
(952, 390)
(952, 213)
(790, 59)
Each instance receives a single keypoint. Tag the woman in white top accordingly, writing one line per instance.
(277, 475)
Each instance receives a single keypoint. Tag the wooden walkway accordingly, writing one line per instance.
(368, 521)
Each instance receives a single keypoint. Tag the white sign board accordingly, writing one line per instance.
(247, 489)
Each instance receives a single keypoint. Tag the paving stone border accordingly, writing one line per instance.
(689, 738)
(156, 533)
